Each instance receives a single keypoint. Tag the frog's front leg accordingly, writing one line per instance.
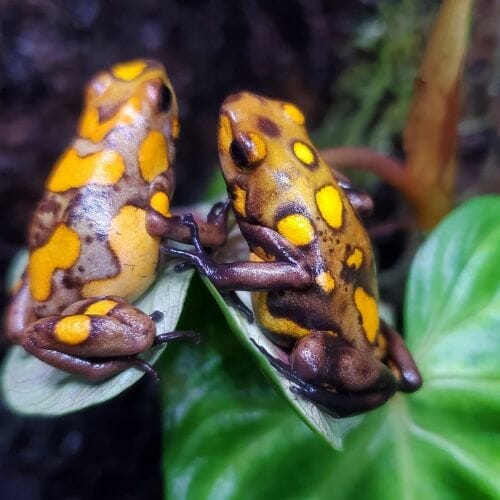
(329, 372)
(95, 338)
(161, 222)
(360, 200)
(289, 271)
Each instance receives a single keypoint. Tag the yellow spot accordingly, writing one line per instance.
(92, 128)
(153, 155)
(60, 252)
(272, 323)
(160, 202)
(330, 205)
(101, 307)
(326, 281)
(257, 148)
(239, 200)
(176, 128)
(225, 134)
(355, 259)
(73, 330)
(297, 229)
(137, 253)
(72, 171)
(367, 307)
(128, 71)
(304, 153)
(294, 113)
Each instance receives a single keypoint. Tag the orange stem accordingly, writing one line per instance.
(388, 169)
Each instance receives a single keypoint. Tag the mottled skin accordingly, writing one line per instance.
(311, 264)
(95, 236)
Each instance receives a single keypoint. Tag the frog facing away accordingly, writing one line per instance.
(311, 267)
(95, 236)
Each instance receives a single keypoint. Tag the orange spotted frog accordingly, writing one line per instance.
(94, 241)
(311, 267)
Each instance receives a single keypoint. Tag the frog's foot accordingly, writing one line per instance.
(162, 338)
(232, 297)
(142, 365)
(340, 405)
(198, 256)
(401, 360)
(333, 375)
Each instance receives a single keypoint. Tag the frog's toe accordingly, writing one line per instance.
(340, 405)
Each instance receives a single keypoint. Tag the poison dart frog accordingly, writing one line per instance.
(311, 267)
(94, 241)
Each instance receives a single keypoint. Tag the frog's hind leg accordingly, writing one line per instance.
(96, 338)
(234, 300)
(94, 370)
(330, 373)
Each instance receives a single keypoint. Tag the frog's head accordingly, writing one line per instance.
(137, 92)
(255, 131)
(264, 149)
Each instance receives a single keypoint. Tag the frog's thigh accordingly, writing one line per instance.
(322, 359)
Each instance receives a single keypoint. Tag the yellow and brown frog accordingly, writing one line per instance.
(311, 267)
(94, 241)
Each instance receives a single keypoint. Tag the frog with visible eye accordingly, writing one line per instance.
(94, 241)
(311, 267)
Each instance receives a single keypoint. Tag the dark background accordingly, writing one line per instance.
(294, 50)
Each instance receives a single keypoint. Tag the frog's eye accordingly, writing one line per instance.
(248, 150)
(165, 99)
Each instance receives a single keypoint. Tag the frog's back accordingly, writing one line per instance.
(292, 191)
(88, 236)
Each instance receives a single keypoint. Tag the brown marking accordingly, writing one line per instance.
(296, 306)
(268, 127)
(105, 113)
(291, 209)
(49, 206)
(71, 282)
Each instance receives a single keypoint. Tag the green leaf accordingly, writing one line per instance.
(228, 436)
(30, 386)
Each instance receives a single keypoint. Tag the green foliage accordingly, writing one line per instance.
(227, 435)
(371, 98)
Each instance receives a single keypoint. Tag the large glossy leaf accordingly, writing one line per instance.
(30, 386)
(227, 436)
